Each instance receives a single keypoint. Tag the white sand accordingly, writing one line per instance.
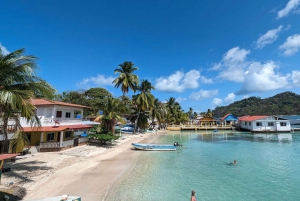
(84, 171)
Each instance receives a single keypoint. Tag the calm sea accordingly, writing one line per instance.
(268, 168)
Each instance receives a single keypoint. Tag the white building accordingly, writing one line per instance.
(61, 126)
(264, 124)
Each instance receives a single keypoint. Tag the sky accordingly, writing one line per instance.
(204, 53)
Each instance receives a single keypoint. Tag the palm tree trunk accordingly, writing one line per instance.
(136, 121)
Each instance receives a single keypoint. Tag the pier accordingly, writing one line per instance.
(198, 127)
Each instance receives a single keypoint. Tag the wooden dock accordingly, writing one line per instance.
(196, 127)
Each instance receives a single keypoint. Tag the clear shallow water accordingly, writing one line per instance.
(267, 169)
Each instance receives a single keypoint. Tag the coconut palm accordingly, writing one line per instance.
(112, 113)
(157, 111)
(144, 101)
(18, 84)
(126, 77)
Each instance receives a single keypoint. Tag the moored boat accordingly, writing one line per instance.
(154, 147)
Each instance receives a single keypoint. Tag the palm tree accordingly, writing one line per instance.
(144, 101)
(112, 113)
(126, 77)
(18, 84)
(156, 112)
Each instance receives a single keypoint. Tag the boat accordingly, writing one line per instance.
(154, 147)
(127, 128)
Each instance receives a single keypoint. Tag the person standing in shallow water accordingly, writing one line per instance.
(193, 198)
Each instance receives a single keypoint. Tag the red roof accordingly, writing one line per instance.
(7, 156)
(56, 128)
(251, 118)
(37, 102)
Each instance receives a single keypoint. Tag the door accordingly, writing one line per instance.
(76, 142)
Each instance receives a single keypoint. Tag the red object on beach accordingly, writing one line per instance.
(7, 156)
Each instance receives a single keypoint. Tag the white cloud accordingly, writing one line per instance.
(235, 55)
(291, 45)
(268, 37)
(296, 78)
(230, 98)
(100, 80)
(202, 94)
(216, 102)
(178, 81)
(291, 5)
(179, 99)
(206, 80)
(233, 65)
(3, 49)
(262, 77)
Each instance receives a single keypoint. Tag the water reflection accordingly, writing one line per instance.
(218, 137)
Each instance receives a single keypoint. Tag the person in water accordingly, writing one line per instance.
(233, 163)
(193, 198)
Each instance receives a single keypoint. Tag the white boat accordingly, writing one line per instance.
(127, 128)
(154, 147)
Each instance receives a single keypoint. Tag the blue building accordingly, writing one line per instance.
(228, 119)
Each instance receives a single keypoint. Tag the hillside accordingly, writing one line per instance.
(287, 103)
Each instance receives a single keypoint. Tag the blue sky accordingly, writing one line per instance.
(203, 53)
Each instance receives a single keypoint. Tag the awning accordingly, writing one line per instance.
(56, 128)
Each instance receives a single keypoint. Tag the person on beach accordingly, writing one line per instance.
(193, 198)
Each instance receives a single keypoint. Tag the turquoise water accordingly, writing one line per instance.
(267, 169)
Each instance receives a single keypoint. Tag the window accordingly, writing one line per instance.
(282, 123)
(68, 134)
(270, 123)
(58, 114)
(249, 123)
(50, 137)
(68, 114)
(258, 124)
(245, 123)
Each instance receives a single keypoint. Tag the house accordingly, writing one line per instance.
(61, 126)
(228, 119)
(264, 124)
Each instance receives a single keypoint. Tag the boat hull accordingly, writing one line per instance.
(154, 147)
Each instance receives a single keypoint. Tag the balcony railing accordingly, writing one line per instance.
(56, 144)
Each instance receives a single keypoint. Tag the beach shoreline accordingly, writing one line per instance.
(89, 175)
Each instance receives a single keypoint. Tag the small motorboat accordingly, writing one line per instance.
(154, 147)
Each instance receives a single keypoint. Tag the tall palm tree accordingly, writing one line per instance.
(157, 111)
(144, 101)
(18, 84)
(126, 77)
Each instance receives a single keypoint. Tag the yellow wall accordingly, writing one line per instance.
(36, 137)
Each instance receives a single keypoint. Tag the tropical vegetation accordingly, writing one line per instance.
(18, 84)
(287, 103)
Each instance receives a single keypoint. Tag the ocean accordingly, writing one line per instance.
(267, 168)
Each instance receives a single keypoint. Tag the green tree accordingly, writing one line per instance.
(157, 111)
(144, 101)
(127, 80)
(18, 84)
(112, 113)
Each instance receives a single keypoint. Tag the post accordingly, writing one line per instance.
(61, 139)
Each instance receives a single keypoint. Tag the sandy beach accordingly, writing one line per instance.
(85, 171)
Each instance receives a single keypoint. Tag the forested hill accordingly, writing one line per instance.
(287, 103)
